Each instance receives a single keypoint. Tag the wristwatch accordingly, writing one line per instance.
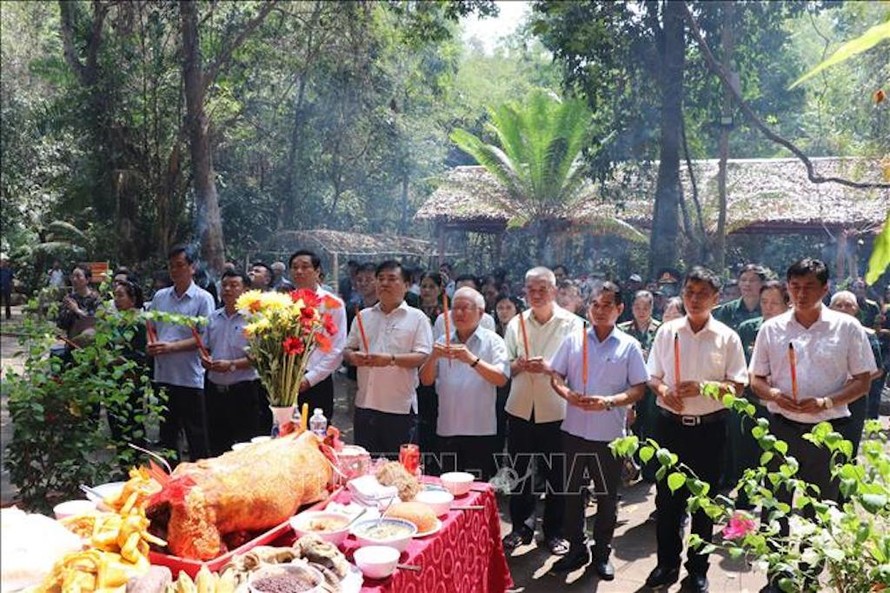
(609, 404)
(232, 367)
(392, 360)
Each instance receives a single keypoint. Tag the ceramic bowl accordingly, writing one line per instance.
(438, 500)
(327, 525)
(457, 483)
(368, 533)
(376, 562)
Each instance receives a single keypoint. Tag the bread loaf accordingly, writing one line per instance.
(416, 512)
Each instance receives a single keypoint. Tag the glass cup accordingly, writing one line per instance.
(409, 457)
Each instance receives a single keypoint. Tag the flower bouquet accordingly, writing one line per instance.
(283, 329)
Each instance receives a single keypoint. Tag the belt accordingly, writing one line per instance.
(695, 420)
(226, 388)
(835, 422)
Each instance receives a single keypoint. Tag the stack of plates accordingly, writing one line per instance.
(367, 491)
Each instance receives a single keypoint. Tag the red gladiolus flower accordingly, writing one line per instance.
(293, 345)
(307, 312)
(324, 342)
(329, 325)
(330, 302)
(309, 298)
(740, 525)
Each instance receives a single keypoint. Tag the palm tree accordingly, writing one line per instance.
(538, 158)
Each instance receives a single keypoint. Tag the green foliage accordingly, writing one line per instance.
(854, 47)
(59, 440)
(851, 538)
(880, 255)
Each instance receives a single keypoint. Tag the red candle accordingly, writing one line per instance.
(200, 342)
(676, 360)
(150, 331)
(792, 362)
(524, 335)
(361, 329)
(584, 363)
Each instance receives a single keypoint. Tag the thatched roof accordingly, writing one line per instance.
(763, 194)
(349, 244)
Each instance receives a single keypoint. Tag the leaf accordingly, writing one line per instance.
(856, 46)
(873, 502)
(880, 255)
(675, 481)
(646, 453)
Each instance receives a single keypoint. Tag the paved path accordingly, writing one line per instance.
(634, 542)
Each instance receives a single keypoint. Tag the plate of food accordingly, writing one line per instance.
(109, 491)
(435, 529)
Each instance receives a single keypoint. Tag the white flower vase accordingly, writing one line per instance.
(280, 415)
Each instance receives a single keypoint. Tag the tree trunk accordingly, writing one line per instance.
(725, 126)
(665, 226)
(208, 223)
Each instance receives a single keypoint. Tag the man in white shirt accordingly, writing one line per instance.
(399, 339)
(689, 423)
(535, 411)
(317, 387)
(834, 363)
(467, 372)
(596, 415)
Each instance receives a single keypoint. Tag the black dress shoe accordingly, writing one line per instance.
(577, 557)
(514, 539)
(662, 576)
(697, 583)
(604, 569)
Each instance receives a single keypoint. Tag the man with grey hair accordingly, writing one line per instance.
(845, 301)
(467, 367)
(535, 410)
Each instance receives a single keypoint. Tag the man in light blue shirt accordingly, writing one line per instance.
(596, 414)
(177, 366)
(232, 384)
(467, 373)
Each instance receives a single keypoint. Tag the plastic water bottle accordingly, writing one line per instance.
(318, 423)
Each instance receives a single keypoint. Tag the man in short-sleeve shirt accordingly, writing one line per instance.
(689, 423)
(596, 415)
(177, 366)
(399, 341)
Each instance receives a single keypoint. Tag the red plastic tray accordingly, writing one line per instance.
(191, 566)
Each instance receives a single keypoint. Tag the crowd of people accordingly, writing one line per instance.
(533, 377)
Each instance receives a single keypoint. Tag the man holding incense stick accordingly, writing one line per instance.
(832, 365)
(535, 411)
(689, 353)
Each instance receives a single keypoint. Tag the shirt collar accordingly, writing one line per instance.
(403, 306)
(592, 333)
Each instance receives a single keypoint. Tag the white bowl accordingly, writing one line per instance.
(376, 562)
(111, 489)
(71, 508)
(399, 542)
(239, 446)
(302, 525)
(438, 500)
(457, 483)
(254, 584)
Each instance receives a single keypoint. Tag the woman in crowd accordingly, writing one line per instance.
(130, 336)
(77, 313)
(673, 309)
(432, 287)
(506, 307)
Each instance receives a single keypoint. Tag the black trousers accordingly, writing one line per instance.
(701, 448)
(231, 410)
(382, 433)
(185, 411)
(263, 415)
(474, 454)
(320, 395)
(536, 448)
(591, 461)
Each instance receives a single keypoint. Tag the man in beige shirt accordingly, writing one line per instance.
(535, 411)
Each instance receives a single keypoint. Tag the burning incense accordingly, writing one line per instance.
(447, 317)
(361, 329)
(524, 335)
(584, 363)
(792, 362)
(676, 360)
(200, 343)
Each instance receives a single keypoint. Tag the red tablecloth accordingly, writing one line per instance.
(465, 556)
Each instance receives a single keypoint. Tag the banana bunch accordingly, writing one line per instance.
(205, 582)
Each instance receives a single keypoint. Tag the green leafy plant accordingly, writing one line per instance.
(850, 539)
(60, 440)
